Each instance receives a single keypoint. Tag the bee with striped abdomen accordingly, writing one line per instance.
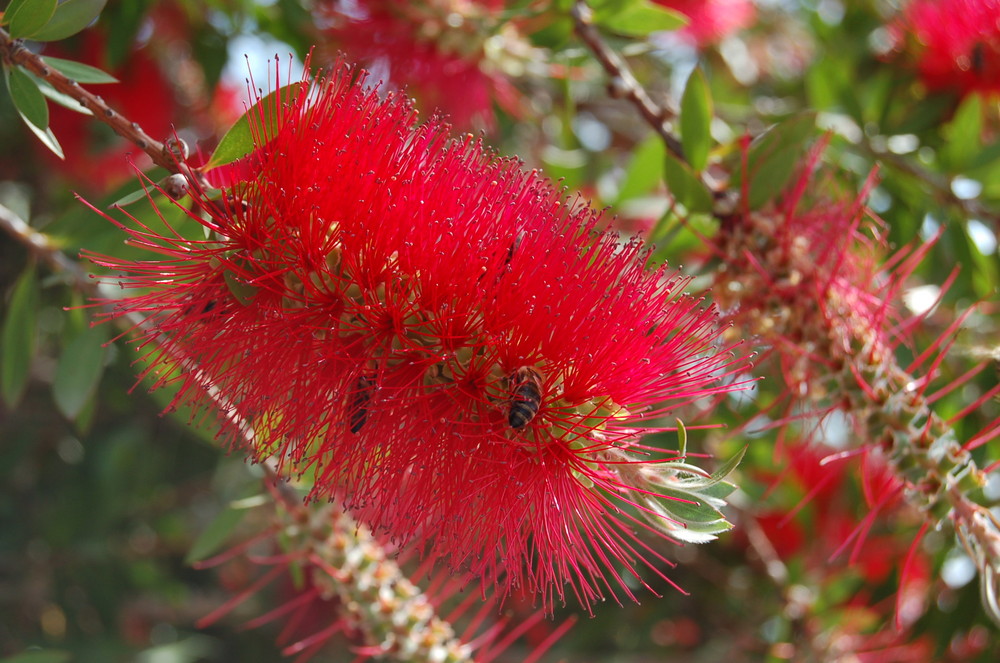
(357, 403)
(526, 396)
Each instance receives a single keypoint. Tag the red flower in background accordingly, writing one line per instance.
(956, 43)
(710, 21)
(436, 336)
(436, 50)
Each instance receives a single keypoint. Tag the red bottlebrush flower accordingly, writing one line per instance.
(436, 50)
(438, 338)
(956, 43)
(710, 21)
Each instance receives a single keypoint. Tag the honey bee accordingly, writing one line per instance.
(526, 396)
(357, 403)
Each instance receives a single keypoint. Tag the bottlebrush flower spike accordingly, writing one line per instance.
(956, 43)
(441, 340)
(711, 21)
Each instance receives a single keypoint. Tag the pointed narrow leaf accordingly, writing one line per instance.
(696, 121)
(682, 438)
(215, 535)
(79, 371)
(17, 343)
(685, 186)
(26, 17)
(48, 139)
(772, 157)
(27, 98)
(645, 170)
(63, 100)
(71, 17)
(730, 465)
(679, 504)
(639, 20)
(130, 198)
(238, 141)
(79, 72)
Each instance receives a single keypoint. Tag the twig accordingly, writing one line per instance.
(625, 84)
(14, 52)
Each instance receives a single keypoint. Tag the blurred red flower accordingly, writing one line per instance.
(436, 50)
(710, 21)
(956, 43)
(436, 337)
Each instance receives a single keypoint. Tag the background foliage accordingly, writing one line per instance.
(103, 497)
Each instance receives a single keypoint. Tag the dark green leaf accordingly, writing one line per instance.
(696, 121)
(130, 198)
(645, 170)
(685, 186)
(71, 17)
(773, 156)
(238, 141)
(686, 507)
(640, 19)
(26, 17)
(79, 72)
(18, 339)
(27, 98)
(39, 656)
(730, 465)
(79, 371)
(215, 535)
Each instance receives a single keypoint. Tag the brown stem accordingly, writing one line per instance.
(14, 52)
(622, 78)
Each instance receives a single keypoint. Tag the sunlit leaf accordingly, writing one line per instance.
(638, 19)
(79, 72)
(645, 170)
(238, 141)
(26, 17)
(70, 17)
(772, 158)
(696, 121)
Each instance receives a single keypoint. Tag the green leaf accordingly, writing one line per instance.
(639, 19)
(48, 139)
(730, 465)
(60, 98)
(696, 121)
(39, 656)
(645, 170)
(17, 343)
(79, 72)
(772, 158)
(682, 438)
(215, 535)
(238, 141)
(27, 98)
(130, 198)
(685, 186)
(26, 17)
(679, 504)
(962, 136)
(79, 371)
(71, 17)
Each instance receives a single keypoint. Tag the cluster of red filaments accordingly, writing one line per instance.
(435, 337)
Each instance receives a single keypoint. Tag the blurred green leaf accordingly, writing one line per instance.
(27, 98)
(18, 339)
(79, 72)
(645, 170)
(238, 141)
(70, 17)
(39, 656)
(685, 186)
(637, 19)
(696, 121)
(79, 371)
(962, 136)
(215, 535)
(772, 158)
(26, 17)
